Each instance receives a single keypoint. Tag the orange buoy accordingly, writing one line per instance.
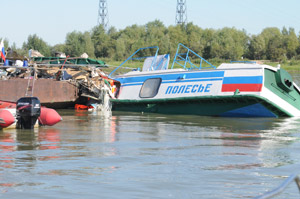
(6, 118)
(82, 107)
(49, 117)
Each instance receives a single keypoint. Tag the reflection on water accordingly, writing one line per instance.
(12, 140)
(136, 155)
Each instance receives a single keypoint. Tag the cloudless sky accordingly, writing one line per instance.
(51, 20)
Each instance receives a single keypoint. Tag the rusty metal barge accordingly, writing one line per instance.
(52, 93)
(58, 85)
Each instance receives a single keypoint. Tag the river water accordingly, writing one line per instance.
(135, 155)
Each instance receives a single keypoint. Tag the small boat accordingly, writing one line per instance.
(27, 113)
(194, 86)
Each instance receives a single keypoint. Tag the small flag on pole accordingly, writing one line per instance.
(2, 52)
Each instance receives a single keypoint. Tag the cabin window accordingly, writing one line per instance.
(150, 88)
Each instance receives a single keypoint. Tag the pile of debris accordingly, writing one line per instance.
(92, 83)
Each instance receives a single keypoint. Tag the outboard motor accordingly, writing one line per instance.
(28, 111)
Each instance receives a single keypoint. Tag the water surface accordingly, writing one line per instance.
(135, 155)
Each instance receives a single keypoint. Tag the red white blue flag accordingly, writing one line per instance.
(2, 52)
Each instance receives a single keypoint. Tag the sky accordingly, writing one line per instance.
(52, 20)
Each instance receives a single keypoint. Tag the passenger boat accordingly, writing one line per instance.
(197, 87)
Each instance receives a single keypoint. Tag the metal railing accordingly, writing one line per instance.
(183, 59)
(132, 58)
(280, 188)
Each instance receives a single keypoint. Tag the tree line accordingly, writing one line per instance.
(226, 43)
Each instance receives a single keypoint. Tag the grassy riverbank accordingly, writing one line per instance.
(287, 65)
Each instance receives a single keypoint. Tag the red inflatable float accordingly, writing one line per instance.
(49, 117)
(6, 118)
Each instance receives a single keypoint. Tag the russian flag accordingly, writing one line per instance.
(243, 83)
(2, 52)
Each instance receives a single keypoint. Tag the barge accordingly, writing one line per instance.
(57, 84)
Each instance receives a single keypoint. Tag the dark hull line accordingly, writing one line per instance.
(233, 106)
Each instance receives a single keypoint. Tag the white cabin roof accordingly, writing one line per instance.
(238, 65)
(225, 66)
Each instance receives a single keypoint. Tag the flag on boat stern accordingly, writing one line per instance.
(2, 52)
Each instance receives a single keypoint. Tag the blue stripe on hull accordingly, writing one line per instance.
(188, 77)
(175, 81)
(243, 80)
(255, 110)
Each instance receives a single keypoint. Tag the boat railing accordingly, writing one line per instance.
(159, 62)
(131, 57)
(184, 58)
(270, 194)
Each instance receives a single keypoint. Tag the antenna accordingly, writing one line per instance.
(103, 14)
(181, 15)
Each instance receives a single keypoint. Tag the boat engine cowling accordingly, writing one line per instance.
(28, 111)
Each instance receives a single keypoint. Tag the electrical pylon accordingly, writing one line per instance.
(181, 13)
(103, 14)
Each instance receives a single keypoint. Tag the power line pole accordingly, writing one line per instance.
(103, 14)
(181, 14)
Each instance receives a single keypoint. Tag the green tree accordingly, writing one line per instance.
(274, 44)
(298, 49)
(195, 39)
(290, 42)
(88, 44)
(155, 32)
(177, 35)
(120, 49)
(257, 47)
(207, 38)
(58, 48)
(101, 41)
(275, 50)
(78, 43)
(132, 38)
(36, 43)
(113, 35)
(229, 43)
